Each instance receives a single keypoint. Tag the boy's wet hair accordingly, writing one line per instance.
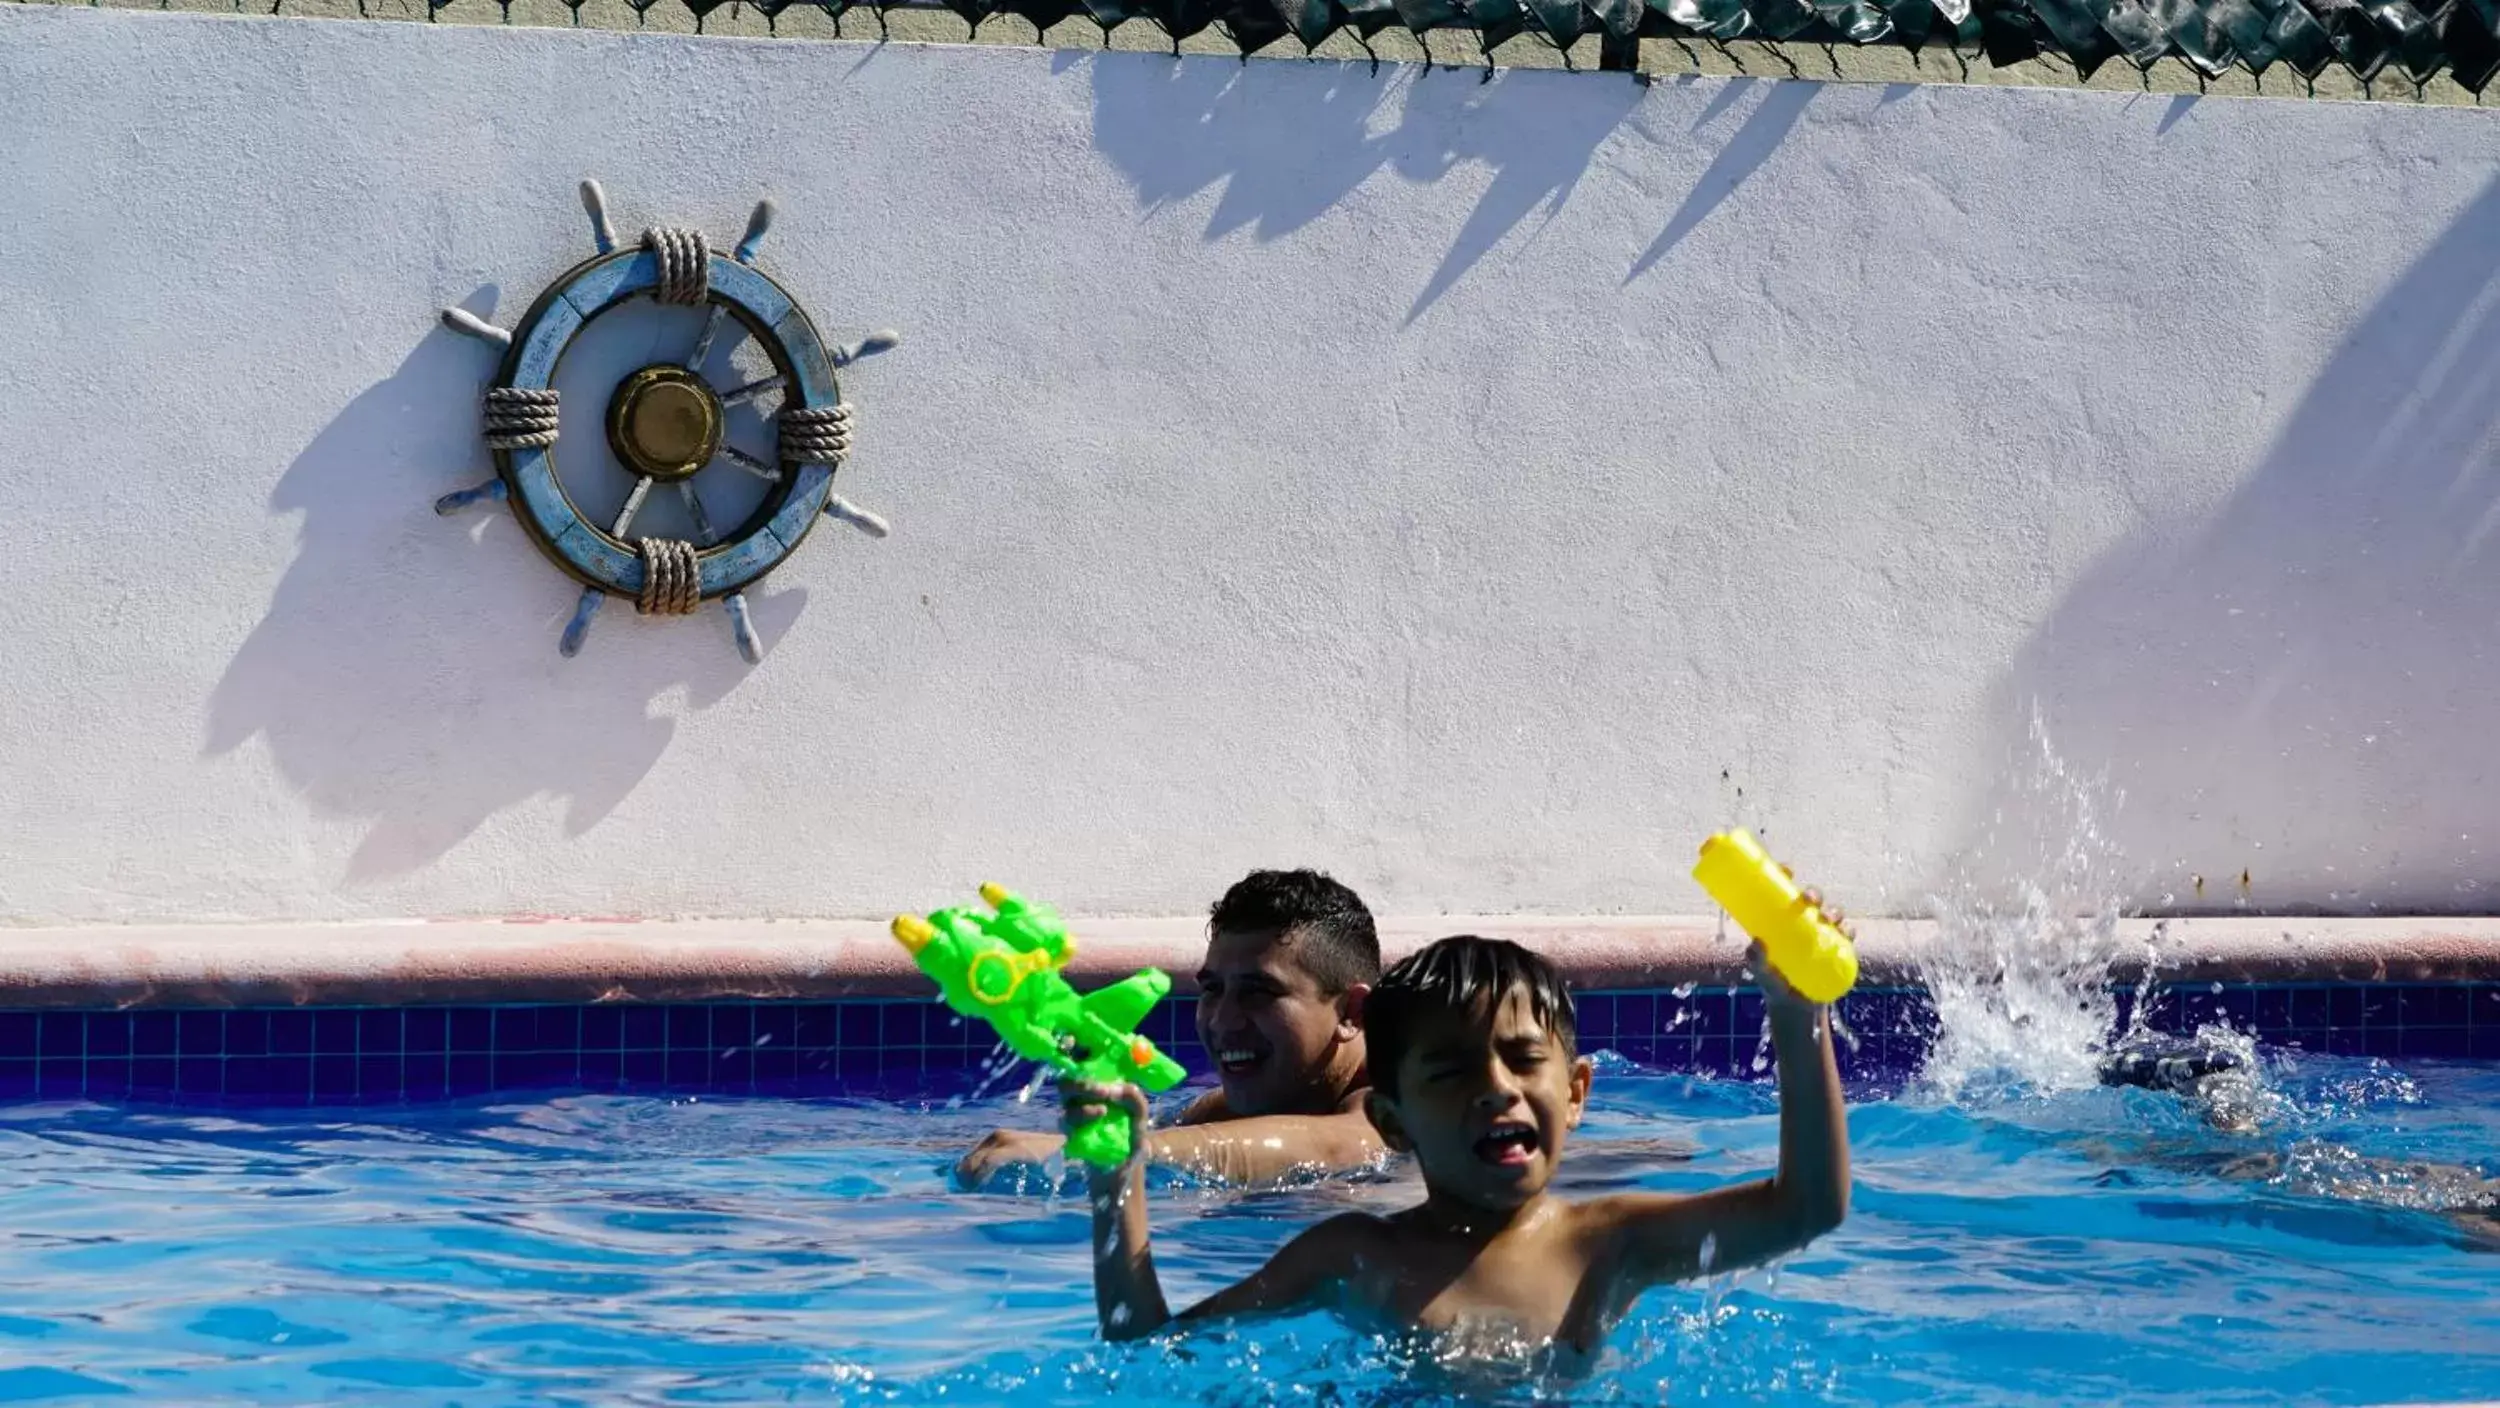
(1334, 937)
(1463, 974)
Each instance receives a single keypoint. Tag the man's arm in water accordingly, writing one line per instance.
(1128, 1295)
(1259, 1149)
(1669, 1238)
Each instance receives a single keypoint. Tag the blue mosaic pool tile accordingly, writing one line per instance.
(917, 1048)
(426, 1077)
(2310, 1003)
(334, 1031)
(600, 1070)
(247, 1033)
(1747, 1014)
(60, 1078)
(776, 1065)
(689, 1027)
(152, 1033)
(333, 1081)
(381, 1029)
(536, 1070)
(381, 1077)
(1595, 1016)
(815, 1026)
(426, 1031)
(291, 1079)
(685, 1068)
(644, 1069)
(468, 1073)
(2343, 1007)
(603, 1029)
(513, 1031)
(60, 1034)
(901, 1026)
(290, 1033)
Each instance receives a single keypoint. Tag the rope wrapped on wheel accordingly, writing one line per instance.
(816, 434)
(685, 264)
(672, 581)
(520, 417)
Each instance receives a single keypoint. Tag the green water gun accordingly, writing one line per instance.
(1004, 969)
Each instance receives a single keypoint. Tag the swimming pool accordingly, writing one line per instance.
(2096, 1245)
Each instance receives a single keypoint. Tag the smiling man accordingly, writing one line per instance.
(1291, 954)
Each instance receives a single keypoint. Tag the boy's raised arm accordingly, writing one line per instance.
(1128, 1294)
(1664, 1238)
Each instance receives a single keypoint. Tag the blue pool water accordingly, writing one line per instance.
(2085, 1247)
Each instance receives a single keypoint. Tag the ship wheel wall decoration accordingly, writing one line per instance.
(666, 425)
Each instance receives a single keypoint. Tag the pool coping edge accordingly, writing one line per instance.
(420, 962)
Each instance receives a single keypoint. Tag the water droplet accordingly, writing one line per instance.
(1684, 989)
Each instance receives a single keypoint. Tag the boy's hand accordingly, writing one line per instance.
(1081, 1102)
(1776, 992)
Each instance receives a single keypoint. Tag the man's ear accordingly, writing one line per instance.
(1583, 1071)
(1383, 1113)
(1350, 1010)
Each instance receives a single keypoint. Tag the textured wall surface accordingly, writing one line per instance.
(1466, 486)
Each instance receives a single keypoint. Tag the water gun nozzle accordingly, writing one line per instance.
(913, 932)
(995, 895)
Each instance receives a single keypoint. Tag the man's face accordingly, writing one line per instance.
(1485, 1102)
(1269, 1025)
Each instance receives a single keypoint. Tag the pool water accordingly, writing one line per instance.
(2085, 1247)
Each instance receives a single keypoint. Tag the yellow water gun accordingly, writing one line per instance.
(1763, 898)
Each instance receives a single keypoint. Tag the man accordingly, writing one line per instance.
(1291, 954)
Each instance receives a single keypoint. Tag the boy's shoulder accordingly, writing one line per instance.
(1335, 1244)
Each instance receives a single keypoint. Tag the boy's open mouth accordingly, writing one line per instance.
(1509, 1145)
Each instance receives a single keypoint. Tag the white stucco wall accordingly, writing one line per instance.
(1465, 486)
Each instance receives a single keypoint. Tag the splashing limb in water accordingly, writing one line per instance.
(2027, 938)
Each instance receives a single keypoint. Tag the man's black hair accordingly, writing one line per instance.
(1461, 974)
(1334, 938)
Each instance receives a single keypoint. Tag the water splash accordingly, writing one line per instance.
(2027, 938)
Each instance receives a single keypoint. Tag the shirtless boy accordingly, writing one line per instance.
(1475, 1070)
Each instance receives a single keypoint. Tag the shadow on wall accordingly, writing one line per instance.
(2304, 684)
(406, 673)
(1288, 148)
(1761, 134)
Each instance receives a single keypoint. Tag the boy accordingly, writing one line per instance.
(1291, 955)
(1475, 1070)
